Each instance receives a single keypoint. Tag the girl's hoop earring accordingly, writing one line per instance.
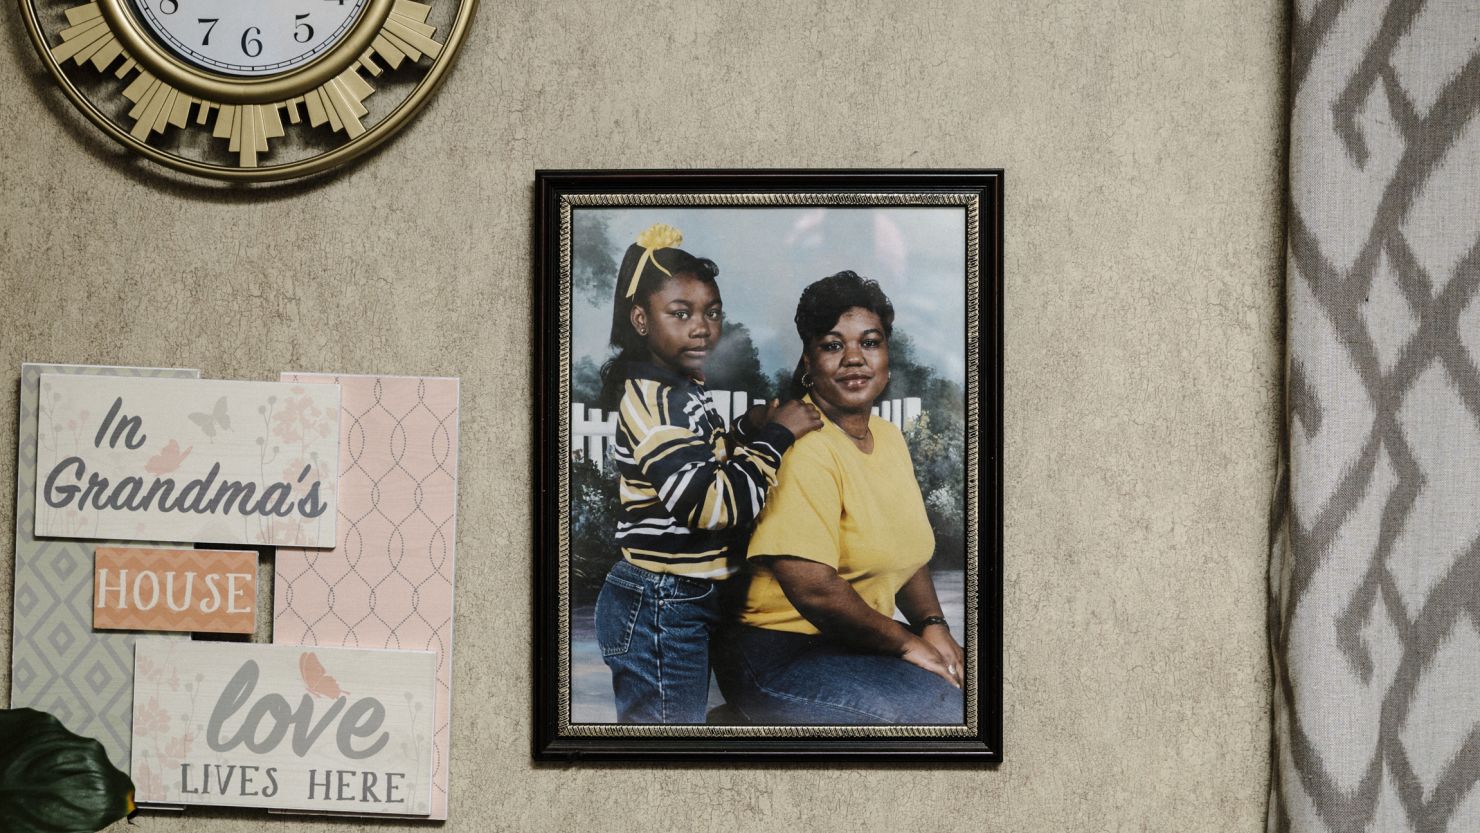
(807, 380)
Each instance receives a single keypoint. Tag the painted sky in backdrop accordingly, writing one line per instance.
(766, 257)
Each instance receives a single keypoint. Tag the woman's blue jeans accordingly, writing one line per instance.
(794, 679)
(654, 631)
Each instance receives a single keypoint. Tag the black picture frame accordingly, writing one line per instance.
(979, 193)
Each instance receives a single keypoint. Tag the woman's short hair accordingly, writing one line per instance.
(825, 301)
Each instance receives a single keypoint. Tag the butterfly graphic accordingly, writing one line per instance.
(217, 416)
(318, 683)
(168, 459)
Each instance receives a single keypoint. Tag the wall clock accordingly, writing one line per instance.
(270, 89)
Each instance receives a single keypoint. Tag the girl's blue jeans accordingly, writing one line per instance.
(654, 631)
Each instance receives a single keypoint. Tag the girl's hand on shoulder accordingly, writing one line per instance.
(759, 415)
(919, 652)
(798, 417)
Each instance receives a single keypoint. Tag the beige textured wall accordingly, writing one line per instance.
(1142, 143)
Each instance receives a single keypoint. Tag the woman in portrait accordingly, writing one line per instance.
(844, 540)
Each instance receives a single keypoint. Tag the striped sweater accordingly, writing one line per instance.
(690, 492)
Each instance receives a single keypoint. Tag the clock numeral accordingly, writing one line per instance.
(302, 28)
(169, 6)
(206, 41)
(251, 46)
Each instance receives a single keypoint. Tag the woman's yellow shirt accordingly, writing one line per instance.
(861, 514)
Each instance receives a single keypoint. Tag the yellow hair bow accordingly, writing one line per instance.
(657, 236)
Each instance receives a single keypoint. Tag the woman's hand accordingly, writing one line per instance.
(798, 417)
(918, 651)
(918, 601)
(939, 637)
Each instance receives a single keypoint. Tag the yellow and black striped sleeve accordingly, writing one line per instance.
(700, 484)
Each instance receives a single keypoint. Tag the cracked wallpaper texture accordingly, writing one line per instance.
(1144, 150)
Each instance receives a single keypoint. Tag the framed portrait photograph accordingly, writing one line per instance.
(769, 497)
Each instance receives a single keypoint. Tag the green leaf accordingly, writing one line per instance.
(55, 781)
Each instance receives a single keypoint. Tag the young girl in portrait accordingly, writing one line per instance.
(689, 490)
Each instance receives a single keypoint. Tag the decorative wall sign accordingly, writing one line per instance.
(388, 582)
(59, 664)
(214, 87)
(153, 589)
(199, 461)
(287, 728)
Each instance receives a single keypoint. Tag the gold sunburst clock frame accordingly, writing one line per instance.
(248, 113)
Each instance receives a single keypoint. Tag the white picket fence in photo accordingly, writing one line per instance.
(593, 431)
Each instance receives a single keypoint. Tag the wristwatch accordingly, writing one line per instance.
(921, 625)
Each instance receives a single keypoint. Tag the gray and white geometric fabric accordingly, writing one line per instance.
(59, 664)
(1375, 573)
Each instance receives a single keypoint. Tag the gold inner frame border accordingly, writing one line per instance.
(971, 202)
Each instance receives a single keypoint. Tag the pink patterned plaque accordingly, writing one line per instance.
(388, 582)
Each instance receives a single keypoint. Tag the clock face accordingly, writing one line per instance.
(240, 75)
(258, 38)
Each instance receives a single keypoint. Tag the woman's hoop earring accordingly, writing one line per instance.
(807, 380)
